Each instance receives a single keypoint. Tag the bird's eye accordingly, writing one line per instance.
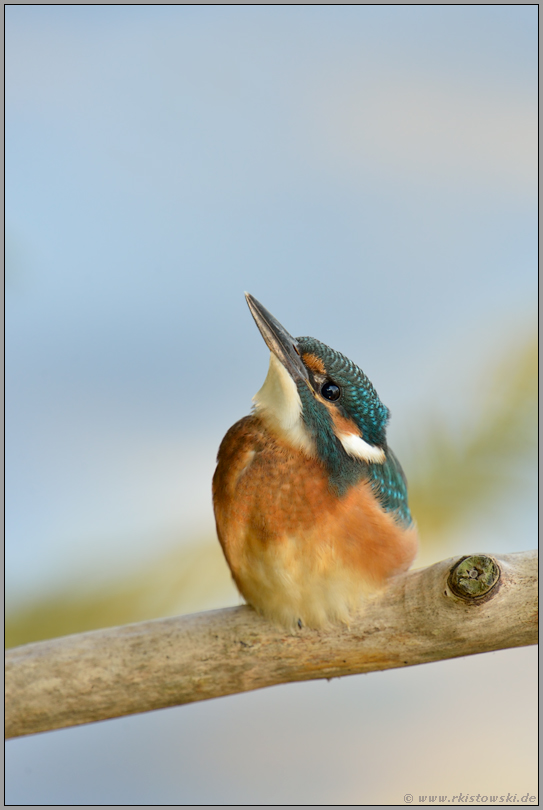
(331, 391)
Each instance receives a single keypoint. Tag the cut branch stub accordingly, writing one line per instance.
(474, 577)
(456, 607)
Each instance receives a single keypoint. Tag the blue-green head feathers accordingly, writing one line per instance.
(358, 398)
(350, 398)
(320, 401)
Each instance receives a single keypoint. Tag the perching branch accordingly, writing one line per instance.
(457, 607)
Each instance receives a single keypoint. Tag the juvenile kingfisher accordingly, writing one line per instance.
(310, 502)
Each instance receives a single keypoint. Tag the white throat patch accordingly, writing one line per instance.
(279, 404)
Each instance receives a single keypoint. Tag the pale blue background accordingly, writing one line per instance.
(368, 173)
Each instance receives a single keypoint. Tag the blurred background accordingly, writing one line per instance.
(369, 174)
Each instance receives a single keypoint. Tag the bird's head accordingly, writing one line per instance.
(319, 401)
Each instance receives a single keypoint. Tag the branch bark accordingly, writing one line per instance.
(459, 606)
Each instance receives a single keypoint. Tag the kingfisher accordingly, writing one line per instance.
(310, 502)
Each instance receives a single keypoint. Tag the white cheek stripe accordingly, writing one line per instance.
(356, 446)
(279, 404)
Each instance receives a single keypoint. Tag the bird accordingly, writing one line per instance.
(310, 502)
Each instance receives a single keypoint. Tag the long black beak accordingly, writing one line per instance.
(278, 340)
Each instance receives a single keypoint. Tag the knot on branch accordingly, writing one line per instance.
(474, 577)
(167, 662)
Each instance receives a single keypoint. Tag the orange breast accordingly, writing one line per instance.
(295, 549)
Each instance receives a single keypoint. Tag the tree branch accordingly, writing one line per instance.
(457, 607)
